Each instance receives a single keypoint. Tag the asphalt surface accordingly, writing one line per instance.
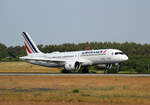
(49, 74)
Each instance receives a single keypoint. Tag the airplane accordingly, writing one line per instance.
(71, 61)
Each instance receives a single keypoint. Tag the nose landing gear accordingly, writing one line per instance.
(118, 67)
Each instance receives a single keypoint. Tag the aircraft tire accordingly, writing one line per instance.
(64, 71)
(85, 70)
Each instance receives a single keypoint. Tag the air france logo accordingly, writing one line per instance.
(95, 52)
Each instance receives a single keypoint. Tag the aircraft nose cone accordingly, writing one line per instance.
(125, 58)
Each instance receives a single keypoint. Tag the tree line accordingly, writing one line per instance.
(131, 49)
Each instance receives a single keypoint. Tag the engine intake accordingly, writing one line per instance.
(72, 65)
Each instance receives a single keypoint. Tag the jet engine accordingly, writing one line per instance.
(72, 65)
(101, 66)
(104, 66)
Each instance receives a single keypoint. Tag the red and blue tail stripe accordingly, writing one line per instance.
(29, 44)
(27, 47)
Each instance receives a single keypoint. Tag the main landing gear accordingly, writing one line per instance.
(109, 66)
(85, 70)
(64, 71)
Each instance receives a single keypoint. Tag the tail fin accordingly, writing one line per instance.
(29, 44)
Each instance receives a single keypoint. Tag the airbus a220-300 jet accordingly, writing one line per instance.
(71, 61)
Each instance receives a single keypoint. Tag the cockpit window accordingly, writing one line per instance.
(117, 53)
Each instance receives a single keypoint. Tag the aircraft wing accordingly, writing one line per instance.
(82, 61)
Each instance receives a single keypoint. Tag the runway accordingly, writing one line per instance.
(49, 74)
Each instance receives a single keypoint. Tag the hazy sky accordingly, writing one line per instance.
(74, 21)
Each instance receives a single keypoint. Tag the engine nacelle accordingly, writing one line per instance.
(101, 66)
(104, 66)
(72, 65)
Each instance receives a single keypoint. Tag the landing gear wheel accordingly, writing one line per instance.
(85, 70)
(64, 71)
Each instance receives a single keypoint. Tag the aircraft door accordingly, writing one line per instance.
(77, 56)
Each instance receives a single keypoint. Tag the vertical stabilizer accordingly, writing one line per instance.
(29, 44)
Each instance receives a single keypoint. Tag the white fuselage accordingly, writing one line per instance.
(87, 57)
